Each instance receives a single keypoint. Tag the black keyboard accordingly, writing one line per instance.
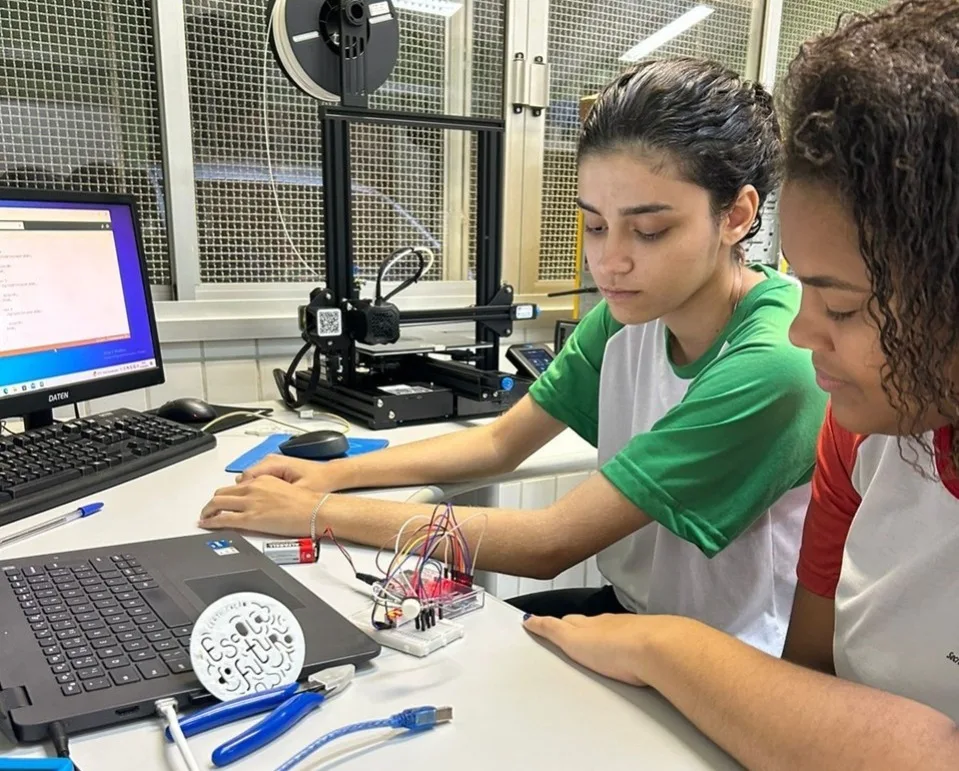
(66, 461)
(102, 623)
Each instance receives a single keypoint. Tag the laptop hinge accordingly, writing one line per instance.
(11, 699)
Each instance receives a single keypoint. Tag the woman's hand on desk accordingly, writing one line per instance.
(612, 644)
(302, 473)
(266, 504)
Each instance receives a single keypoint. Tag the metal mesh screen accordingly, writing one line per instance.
(79, 106)
(586, 40)
(489, 25)
(802, 19)
(398, 173)
(403, 165)
(486, 93)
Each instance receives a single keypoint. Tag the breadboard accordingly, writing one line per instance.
(409, 640)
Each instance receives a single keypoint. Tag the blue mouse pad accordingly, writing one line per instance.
(271, 445)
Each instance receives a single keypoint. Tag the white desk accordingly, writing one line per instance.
(516, 704)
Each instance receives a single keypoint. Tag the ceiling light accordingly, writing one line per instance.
(677, 27)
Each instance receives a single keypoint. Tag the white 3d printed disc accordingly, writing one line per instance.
(244, 643)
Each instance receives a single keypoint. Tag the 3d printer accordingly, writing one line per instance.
(339, 52)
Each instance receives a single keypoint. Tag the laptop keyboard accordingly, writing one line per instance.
(102, 623)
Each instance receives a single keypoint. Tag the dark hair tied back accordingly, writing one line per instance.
(719, 131)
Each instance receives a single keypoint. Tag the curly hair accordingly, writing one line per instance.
(872, 112)
(719, 130)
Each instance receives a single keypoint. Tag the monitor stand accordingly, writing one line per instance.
(38, 419)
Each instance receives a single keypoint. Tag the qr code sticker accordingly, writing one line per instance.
(329, 322)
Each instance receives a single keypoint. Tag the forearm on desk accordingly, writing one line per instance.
(460, 456)
(772, 715)
(514, 541)
(538, 543)
(455, 457)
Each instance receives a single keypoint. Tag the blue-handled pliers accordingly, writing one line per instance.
(289, 705)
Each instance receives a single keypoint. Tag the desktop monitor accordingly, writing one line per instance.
(76, 316)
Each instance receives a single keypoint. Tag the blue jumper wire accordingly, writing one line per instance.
(413, 720)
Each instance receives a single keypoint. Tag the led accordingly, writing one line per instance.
(411, 608)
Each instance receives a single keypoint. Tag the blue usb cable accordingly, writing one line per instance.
(416, 719)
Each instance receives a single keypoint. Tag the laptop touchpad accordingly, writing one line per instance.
(212, 588)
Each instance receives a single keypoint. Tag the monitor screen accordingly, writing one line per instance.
(74, 306)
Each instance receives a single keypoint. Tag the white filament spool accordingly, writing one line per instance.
(288, 59)
(307, 36)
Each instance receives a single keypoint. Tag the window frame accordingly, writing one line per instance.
(190, 310)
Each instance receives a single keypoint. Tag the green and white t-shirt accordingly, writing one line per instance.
(720, 453)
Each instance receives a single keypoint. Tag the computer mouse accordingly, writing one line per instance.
(316, 445)
(187, 410)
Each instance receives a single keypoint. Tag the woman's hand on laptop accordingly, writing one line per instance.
(264, 504)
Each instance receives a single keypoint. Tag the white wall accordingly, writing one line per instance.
(532, 494)
(226, 372)
(234, 371)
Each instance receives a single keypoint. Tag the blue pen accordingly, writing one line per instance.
(83, 511)
(287, 705)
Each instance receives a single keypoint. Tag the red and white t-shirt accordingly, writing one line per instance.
(883, 540)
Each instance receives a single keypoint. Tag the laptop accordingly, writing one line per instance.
(93, 638)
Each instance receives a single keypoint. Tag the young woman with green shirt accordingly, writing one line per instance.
(704, 416)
